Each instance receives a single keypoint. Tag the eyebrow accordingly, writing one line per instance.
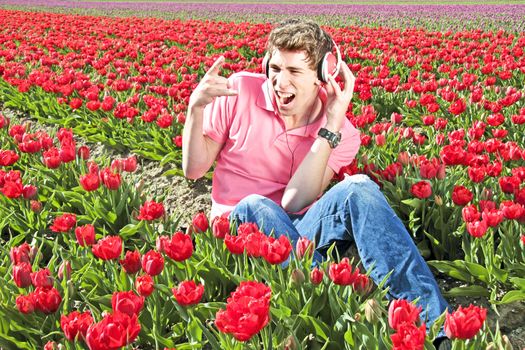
(291, 68)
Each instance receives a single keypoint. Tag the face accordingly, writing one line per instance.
(294, 83)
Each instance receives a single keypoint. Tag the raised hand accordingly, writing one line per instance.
(338, 100)
(211, 85)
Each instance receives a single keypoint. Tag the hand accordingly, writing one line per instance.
(337, 99)
(211, 85)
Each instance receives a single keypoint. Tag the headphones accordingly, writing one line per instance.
(329, 65)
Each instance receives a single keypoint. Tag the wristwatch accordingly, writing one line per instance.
(333, 138)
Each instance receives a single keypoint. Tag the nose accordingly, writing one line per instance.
(281, 80)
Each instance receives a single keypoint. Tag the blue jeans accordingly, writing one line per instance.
(356, 211)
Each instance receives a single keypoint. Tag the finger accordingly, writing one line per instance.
(222, 81)
(334, 85)
(223, 92)
(216, 66)
(349, 80)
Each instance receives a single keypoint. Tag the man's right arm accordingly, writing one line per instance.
(198, 150)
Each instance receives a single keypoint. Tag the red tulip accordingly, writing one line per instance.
(83, 152)
(316, 276)
(151, 210)
(51, 158)
(461, 195)
(75, 324)
(130, 164)
(25, 303)
(127, 302)
(188, 293)
(235, 244)
(409, 337)
(42, 278)
(90, 181)
(465, 323)
(276, 251)
(108, 248)
(200, 222)
(400, 312)
(470, 213)
(131, 262)
(152, 263)
(247, 311)
(47, 300)
(8, 157)
(180, 247)
(144, 285)
(341, 273)
(421, 189)
(64, 223)
(109, 179)
(20, 253)
(85, 235)
(220, 227)
(113, 332)
(22, 274)
(304, 246)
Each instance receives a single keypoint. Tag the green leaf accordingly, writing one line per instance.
(413, 202)
(321, 329)
(512, 296)
(469, 291)
(451, 269)
(518, 282)
(348, 336)
(476, 270)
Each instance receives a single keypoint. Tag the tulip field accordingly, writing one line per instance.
(89, 259)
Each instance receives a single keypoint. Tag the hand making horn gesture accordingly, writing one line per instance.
(211, 85)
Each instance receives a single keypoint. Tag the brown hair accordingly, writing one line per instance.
(301, 35)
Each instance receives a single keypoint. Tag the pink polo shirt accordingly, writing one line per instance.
(258, 154)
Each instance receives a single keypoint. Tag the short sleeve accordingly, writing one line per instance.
(347, 149)
(217, 118)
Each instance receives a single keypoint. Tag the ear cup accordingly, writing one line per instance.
(327, 66)
(266, 65)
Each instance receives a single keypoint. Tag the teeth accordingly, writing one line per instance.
(285, 95)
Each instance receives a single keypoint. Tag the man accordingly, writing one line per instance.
(278, 139)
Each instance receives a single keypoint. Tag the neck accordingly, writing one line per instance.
(311, 115)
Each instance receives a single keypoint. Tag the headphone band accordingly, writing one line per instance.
(322, 67)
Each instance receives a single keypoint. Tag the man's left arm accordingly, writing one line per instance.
(313, 174)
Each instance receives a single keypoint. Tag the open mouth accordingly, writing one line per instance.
(285, 97)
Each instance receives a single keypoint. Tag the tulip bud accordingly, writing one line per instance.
(140, 186)
(64, 270)
(297, 277)
(83, 152)
(200, 222)
(506, 342)
(486, 194)
(491, 346)
(372, 311)
(403, 158)
(290, 343)
(36, 206)
(438, 200)
(50, 345)
(316, 276)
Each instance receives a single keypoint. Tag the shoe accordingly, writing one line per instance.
(443, 343)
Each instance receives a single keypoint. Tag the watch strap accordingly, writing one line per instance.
(333, 138)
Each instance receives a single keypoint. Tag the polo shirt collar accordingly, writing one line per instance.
(266, 100)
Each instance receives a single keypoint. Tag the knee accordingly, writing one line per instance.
(252, 203)
(359, 184)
